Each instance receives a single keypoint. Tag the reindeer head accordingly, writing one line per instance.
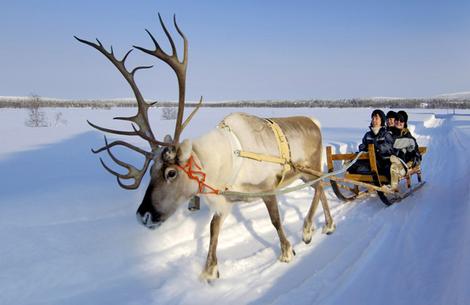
(169, 185)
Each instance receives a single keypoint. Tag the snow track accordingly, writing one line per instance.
(68, 235)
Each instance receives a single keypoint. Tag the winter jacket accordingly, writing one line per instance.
(383, 144)
(405, 147)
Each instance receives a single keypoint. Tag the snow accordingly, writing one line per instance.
(383, 98)
(68, 233)
(456, 95)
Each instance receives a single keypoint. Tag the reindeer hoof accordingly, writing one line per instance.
(307, 232)
(210, 275)
(307, 235)
(329, 229)
(287, 256)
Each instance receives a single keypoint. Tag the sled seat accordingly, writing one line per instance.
(373, 175)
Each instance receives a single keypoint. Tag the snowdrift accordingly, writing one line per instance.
(68, 233)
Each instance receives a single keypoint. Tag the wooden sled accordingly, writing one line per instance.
(353, 186)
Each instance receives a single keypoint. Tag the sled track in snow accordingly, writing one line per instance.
(84, 247)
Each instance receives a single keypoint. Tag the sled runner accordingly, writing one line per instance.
(355, 185)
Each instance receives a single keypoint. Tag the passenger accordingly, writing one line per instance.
(405, 150)
(383, 143)
(391, 116)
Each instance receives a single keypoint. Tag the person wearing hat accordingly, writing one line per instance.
(402, 117)
(405, 150)
(383, 143)
(391, 116)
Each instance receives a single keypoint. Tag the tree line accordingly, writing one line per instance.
(427, 103)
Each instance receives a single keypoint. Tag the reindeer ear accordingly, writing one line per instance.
(184, 150)
(167, 139)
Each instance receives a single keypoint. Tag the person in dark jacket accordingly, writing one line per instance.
(383, 144)
(405, 150)
(391, 116)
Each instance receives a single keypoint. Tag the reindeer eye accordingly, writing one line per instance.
(170, 174)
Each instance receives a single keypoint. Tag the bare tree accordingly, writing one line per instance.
(59, 119)
(169, 113)
(36, 117)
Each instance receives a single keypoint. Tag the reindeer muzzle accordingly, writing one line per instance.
(148, 220)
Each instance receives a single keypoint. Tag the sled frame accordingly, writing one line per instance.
(353, 186)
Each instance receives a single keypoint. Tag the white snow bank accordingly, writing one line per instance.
(433, 122)
(68, 234)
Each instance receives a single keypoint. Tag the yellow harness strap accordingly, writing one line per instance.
(283, 146)
(260, 157)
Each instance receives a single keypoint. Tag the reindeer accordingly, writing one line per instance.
(209, 165)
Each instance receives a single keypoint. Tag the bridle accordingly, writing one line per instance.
(194, 172)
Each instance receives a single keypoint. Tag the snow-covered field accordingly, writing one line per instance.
(68, 233)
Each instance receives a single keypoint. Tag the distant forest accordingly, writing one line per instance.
(429, 103)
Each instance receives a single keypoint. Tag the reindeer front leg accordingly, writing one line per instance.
(287, 253)
(211, 271)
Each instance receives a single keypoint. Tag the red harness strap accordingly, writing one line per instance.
(197, 175)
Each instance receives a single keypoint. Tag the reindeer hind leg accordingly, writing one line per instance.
(330, 226)
(309, 227)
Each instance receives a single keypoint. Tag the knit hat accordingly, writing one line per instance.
(391, 114)
(381, 114)
(403, 117)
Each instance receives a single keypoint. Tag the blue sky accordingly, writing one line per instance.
(240, 49)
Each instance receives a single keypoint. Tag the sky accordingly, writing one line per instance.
(242, 49)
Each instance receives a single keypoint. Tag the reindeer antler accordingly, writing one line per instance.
(141, 118)
(178, 66)
(132, 172)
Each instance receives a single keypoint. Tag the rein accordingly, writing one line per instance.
(200, 178)
(294, 188)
